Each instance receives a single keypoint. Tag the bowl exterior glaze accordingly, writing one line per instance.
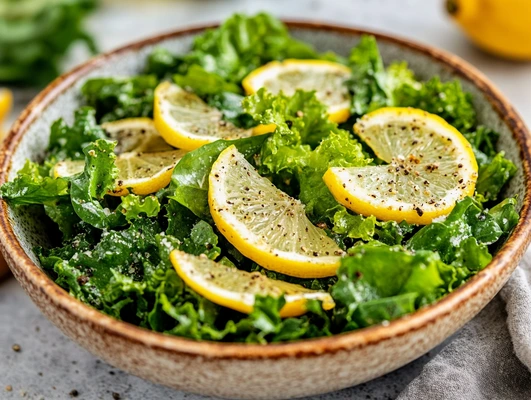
(254, 371)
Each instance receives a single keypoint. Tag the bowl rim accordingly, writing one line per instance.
(501, 264)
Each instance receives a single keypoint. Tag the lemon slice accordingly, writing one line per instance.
(145, 166)
(264, 223)
(232, 288)
(325, 77)
(136, 134)
(431, 166)
(187, 122)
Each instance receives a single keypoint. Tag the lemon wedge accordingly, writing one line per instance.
(187, 122)
(232, 288)
(264, 223)
(430, 167)
(325, 77)
(144, 160)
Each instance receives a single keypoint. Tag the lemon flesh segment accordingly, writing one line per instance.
(136, 134)
(431, 167)
(144, 160)
(235, 289)
(265, 224)
(185, 121)
(325, 77)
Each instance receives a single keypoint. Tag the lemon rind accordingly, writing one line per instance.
(171, 131)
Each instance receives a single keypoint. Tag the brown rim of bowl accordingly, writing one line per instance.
(500, 265)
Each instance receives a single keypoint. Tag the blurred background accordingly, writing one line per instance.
(41, 38)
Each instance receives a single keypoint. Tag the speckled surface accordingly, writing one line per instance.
(48, 352)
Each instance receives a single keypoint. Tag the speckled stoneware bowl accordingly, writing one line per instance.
(254, 371)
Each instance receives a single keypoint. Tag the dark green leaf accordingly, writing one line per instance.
(389, 271)
(450, 238)
(180, 220)
(63, 214)
(202, 240)
(204, 83)
(368, 80)
(483, 141)
(89, 187)
(162, 63)
(494, 175)
(505, 214)
(230, 104)
(118, 98)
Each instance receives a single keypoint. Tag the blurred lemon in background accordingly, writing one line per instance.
(501, 27)
(6, 101)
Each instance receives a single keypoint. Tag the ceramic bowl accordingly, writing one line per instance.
(256, 371)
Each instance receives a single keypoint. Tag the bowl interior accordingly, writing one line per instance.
(28, 224)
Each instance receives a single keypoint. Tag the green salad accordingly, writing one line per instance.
(255, 190)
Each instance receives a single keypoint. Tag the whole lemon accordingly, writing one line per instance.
(501, 27)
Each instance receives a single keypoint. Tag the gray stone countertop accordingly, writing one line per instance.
(48, 365)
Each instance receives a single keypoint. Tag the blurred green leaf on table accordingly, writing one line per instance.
(35, 35)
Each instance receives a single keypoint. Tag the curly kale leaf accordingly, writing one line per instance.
(446, 99)
(68, 141)
(33, 185)
(118, 98)
(462, 239)
(134, 206)
(243, 43)
(89, 187)
(493, 176)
